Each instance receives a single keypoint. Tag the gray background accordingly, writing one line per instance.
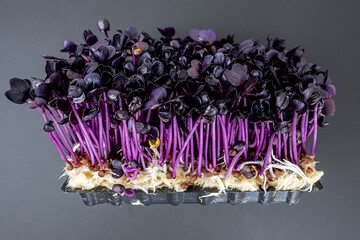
(31, 203)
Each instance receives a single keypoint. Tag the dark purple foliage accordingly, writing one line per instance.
(126, 94)
(69, 46)
(117, 173)
(20, 90)
(206, 36)
(167, 32)
(237, 75)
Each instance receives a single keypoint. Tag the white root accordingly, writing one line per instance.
(290, 177)
(76, 147)
(221, 188)
(137, 203)
(156, 152)
(284, 165)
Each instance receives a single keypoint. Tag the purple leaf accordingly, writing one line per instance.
(111, 50)
(44, 90)
(249, 85)
(246, 44)
(40, 101)
(193, 72)
(282, 57)
(157, 68)
(219, 58)
(119, 82)
(196, 63)
(121, 115)
(291, 52)
(210, 111)
(297, 105)
(167, 32)
(22, 85)
(113, 94)
(237, 75)
(129, 67)
(31, 104)
(16, 96)
(73, 75)
(175, 43)
(203, 35)
(322, 123)
(158, 93)
(308, 79)
(91, 67)
(132, 32)
(90, 114)
(327, 90)
(118, 41)
(271, 54)
(329, 107)
(207, 36)
(89, 37)
(194, 34)
(100, 55)
(92, 80)
(139, 126)
(306, 94)
(98, 44)
(278, 44)
(211, 80)
(79, 99)
(69, 46)
(156, 96)
(206, 62)
(153, 133)
(263, 94)
(48, 127)
(55, 79)
(280, 126)
(151, 102)
(282, 100)
(260, 109)
(44, 56)
(217, 71)
(103, 25)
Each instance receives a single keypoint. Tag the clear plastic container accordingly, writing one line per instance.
(193, 195)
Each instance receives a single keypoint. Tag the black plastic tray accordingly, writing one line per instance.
(101, 195)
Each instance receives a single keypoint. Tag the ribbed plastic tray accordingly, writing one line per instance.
(193, 195)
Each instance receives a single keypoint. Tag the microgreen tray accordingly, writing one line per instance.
(193, 195)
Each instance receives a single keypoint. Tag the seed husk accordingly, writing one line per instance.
(193, 177)
(237, 174)
(69, 167)
(102, 173)
(78, 165)
(233, 152)
(169, 175)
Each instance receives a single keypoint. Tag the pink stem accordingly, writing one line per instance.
(186, 143)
